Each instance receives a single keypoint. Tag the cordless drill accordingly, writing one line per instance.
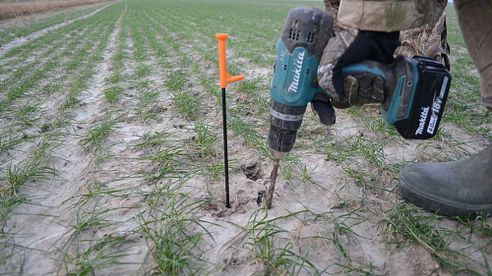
(415, 88)
(305, 34)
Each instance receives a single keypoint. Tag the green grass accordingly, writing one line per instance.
(97, 135)
(113, 94)
(152, 139)
(187, 104)
(169, 225)
(276, 259)
(16, 177)
(97, 255)
(205, 140)
(146, 104)
(8, 141)
(406, 221)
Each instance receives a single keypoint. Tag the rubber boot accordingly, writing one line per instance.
(457, 188)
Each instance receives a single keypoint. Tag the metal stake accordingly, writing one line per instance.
(225, 78)
(226, 157)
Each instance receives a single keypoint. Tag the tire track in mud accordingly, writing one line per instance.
(23, 40)
(40, 237)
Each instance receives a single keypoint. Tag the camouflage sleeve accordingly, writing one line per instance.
(332, 7)
(429, 40)
(389, 15)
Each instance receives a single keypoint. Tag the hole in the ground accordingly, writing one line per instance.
(253, 172)
(259, 199)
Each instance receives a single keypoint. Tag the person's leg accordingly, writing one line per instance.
(475, 18)
(464, 187)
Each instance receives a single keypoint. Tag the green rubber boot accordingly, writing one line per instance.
(457, 188)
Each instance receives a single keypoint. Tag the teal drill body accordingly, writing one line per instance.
(304, 36)
(295, 77)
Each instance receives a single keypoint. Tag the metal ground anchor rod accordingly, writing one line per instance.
(226, 156)
(224, 79)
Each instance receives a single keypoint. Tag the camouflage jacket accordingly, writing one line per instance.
(388, 15)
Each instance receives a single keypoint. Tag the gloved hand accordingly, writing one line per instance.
(321, 106)
(348, 47)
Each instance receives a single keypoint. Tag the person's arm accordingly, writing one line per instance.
(389, 15)
(369, 31)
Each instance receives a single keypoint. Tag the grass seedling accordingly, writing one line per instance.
(370, 150)
(152, 139)
(176, 81)
(146, 103)
(205, 140)
(407, 221)
(142, 71)
(187, 104)
(263, 242)
(90, 220)
(306, 174)
(215, 170)
(97, 135)
(94, 190)
(97, 255)
(250, 135)
(25, 114)
(484, 225)
(16, 177)
(169, 165)
(340, 229)
(175, 231)
(8, 141)
(113, 94)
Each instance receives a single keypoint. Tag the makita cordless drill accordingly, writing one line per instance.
(415, 89)
(305, 34)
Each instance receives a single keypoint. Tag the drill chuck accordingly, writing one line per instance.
(284, 122)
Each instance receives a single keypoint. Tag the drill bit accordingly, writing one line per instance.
(271, 188)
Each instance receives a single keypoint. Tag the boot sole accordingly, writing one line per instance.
(440, 205)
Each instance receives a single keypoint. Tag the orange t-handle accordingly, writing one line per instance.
(225, 77)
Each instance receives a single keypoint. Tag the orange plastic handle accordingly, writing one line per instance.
(225, 77)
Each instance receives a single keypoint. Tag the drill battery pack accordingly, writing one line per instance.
(416, 106)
